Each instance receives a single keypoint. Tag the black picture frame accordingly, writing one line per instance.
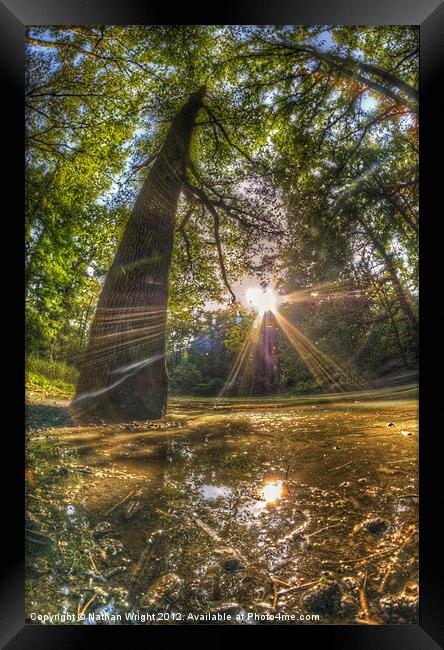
(429, 15)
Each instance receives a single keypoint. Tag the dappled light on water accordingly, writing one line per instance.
(251, 507)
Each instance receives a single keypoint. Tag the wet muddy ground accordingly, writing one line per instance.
(301, 513)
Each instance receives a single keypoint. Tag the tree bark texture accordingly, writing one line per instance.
(123, 376)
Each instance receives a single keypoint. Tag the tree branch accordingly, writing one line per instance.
(347, 67)
(219, 251)
(226, 136)
(228, 209)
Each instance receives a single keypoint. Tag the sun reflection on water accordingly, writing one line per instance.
(272, 491)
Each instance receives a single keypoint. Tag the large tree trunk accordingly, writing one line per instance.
(123, 377)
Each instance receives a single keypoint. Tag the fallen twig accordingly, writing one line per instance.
(120, 503)
(87, 605)
(93, 564)
(385, 578)
(365, 621)
(363, 599)
(276, 596)
(164, 514)
(407, 496)
(282, 582)
(297, 588)
(321, 530)
(340, 466)
(363, 559)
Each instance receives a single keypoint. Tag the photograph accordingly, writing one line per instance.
(221, 315)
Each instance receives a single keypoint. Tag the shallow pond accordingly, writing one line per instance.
(297, 514)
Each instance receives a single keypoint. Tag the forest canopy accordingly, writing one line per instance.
(301, 172)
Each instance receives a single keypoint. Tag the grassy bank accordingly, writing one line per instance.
(39, 385)
(50, 378)
(407, 392)
(55, 379)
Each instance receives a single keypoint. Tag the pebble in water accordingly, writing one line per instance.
(324, 598)
(232, 565)
(400, 609)
(102, 528)
(167, 588)
(349, 606)
(375, 525)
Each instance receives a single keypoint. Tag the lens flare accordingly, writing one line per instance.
(262, 301)
(328, 373)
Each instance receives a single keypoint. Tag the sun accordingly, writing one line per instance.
(262, 301)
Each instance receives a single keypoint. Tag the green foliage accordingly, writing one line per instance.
(49, 387)
(187, 378)
(52, 369)
(238, 322)
(308, 149)
(201, 356)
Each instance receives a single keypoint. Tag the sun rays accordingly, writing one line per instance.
(125, 332)
(242, 369)
(323, 291)
(128, 333)
(262, 301)
(328, 373)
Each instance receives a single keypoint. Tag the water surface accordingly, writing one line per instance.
(229, 510)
